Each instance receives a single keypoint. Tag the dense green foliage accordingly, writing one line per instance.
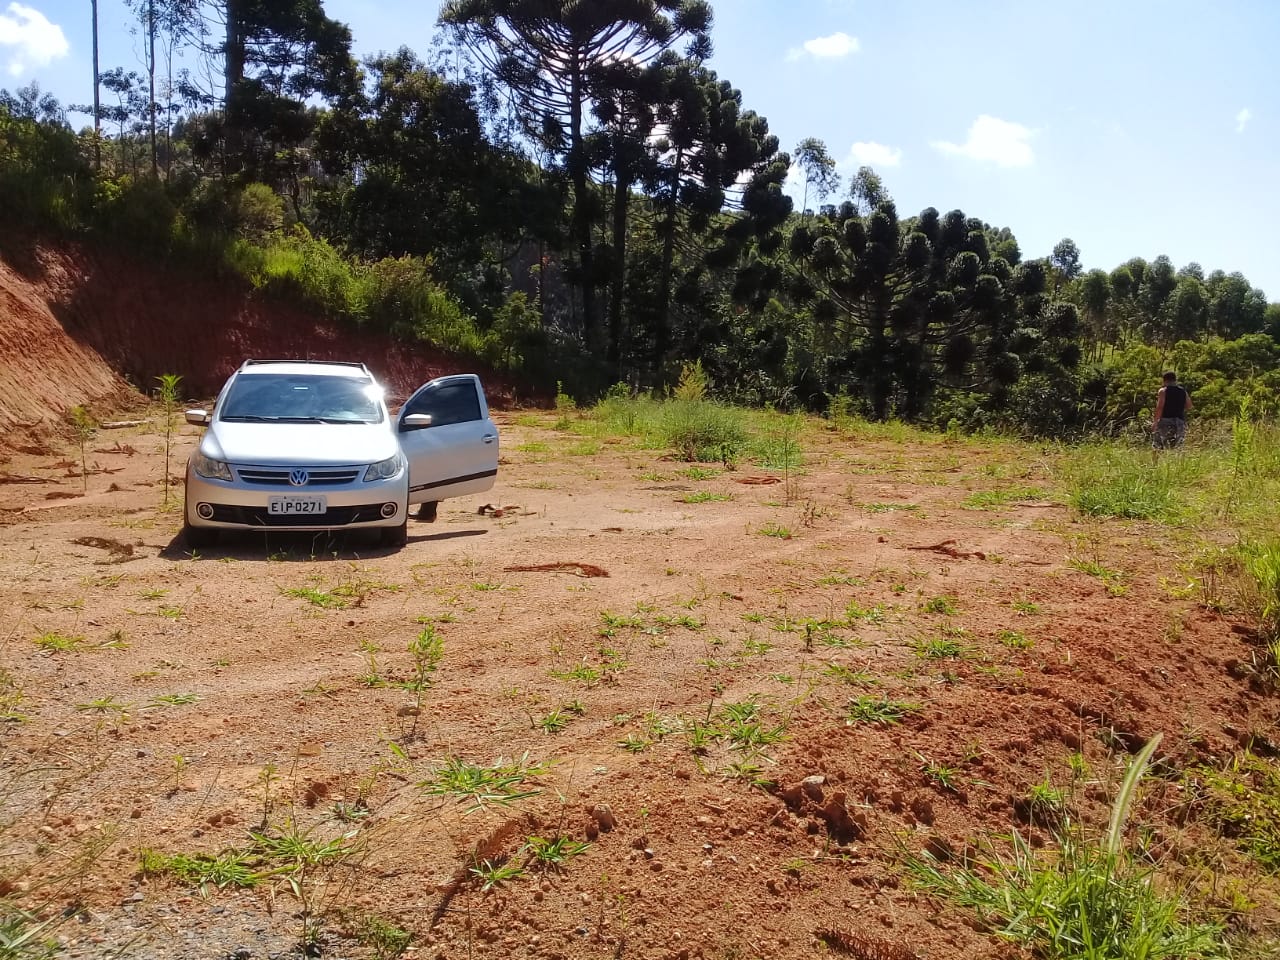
(570, 194)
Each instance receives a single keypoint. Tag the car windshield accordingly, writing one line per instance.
(269, 397)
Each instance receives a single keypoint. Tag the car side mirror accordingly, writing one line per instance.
(198, 418)
(415, 421)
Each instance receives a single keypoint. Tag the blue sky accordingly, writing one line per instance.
(1136, 128)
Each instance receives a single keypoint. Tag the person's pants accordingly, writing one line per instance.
(1169, 433)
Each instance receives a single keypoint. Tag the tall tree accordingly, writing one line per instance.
(97, 106)
(274, 58)
(819, 169)
(414, 175)
(553, 55)
(713, 155)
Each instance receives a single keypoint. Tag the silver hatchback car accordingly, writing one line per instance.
(306, 446)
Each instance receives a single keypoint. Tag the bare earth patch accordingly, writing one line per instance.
(747, 729)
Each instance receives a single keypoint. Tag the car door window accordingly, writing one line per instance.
(449, 402)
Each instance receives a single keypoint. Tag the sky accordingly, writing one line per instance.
(1135, 128)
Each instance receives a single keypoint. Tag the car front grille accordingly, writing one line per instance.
(333, 517)
(280, 478)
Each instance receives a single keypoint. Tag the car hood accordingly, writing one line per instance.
(286, 444)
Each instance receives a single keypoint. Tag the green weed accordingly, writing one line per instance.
(994, 499)
(775, 530)
(56, 642)
(944, 605)
(492, 874)
(705, 496)
(553, 853)
(878, 710)
(501, 783)
(1088, 900)
(1015, 640)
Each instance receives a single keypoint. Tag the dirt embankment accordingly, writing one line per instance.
(84, 325)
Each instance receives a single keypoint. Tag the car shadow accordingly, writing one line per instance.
(302, 547)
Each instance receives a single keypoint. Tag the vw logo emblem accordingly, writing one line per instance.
(298, 478)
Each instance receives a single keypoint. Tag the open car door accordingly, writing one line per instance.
(456, 453)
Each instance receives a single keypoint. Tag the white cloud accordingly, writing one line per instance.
(993, 140)
(872, 154)
(28, 39)
(825, 48)
(1242, 119)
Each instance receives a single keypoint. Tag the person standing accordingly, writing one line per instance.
(1169, 422)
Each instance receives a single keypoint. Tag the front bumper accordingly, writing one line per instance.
(242, 505)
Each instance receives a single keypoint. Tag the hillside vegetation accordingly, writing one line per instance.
(527, 219)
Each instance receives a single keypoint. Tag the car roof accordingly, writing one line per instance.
(306, 368)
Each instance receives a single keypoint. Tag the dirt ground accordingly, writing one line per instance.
(173, 702)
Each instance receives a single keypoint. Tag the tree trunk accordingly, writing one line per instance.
(621, 198)
(233, 74)
(581, 205)
(151, 83)
(97, 106)
(662, 335)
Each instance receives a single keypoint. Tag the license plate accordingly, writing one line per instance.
(294, 506)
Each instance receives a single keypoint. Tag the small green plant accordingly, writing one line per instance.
(751, 735)
(492, 874)
(500, 784)
(705, 496)
(167, 393)
(634, 743)
(994, 499)
(174, 700)
(878, 710)
(584, 673)
(426, 649)
(1015, 640)
(1026, 607)
(382, 936)
(84, 427)
(944, 605)
(317, 597)
(1046, 802)
(775, 530)
(554, 722)
(56, 642)
(371, 677)
(553, 853)
(854, 614)
(1088, 899)
(1113, 580)
(700, 473)
(749, 772)
(939, 774)
(939, 648)
(838, 671)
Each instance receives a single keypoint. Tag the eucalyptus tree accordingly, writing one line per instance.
(554, 58)
(264, 66)
(819, 169)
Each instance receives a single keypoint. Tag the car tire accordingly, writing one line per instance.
(394, 537)
(199, 537)
(427, 511)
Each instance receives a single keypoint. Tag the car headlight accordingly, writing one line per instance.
(208, 467)
(384, 469)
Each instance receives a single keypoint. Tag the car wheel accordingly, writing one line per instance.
(198, 537)
(394, 537)
(427, 511)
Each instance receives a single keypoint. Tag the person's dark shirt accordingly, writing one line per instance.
(1175, 403)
